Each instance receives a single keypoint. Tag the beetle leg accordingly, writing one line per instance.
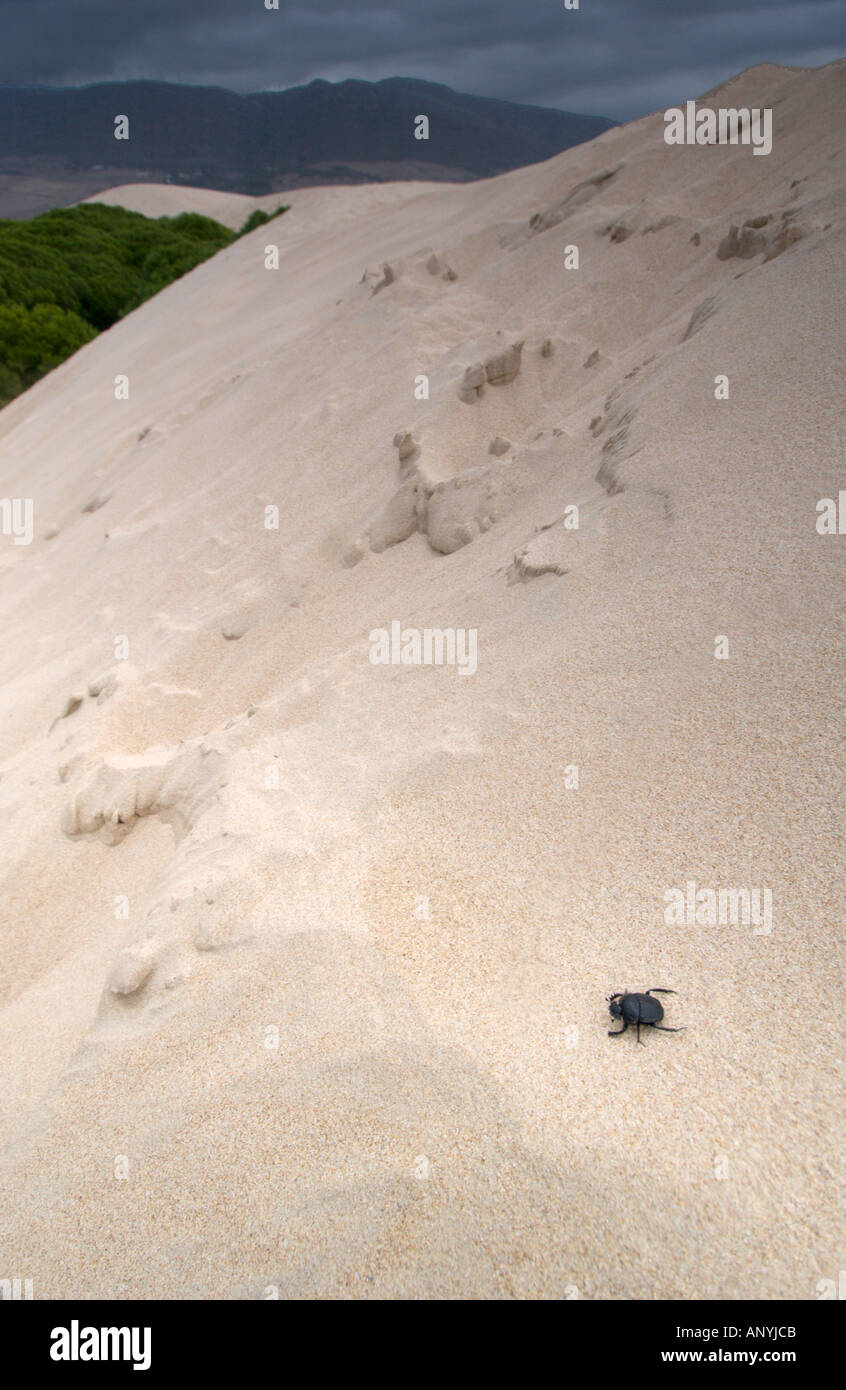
(615, 1032)
(638, 1034)
(656, 990)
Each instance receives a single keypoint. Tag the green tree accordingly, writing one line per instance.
(72, 272)
(33, 341)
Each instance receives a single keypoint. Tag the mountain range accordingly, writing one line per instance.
(58, 144)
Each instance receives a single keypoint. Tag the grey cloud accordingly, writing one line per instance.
(613, 57)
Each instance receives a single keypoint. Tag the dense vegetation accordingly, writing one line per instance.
(70, 273)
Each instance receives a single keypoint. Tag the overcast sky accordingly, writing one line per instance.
(619, 58)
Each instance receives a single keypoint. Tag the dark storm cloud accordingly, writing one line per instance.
(613, 57)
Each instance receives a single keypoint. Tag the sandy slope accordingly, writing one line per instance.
(168, 200)
(233, 209)
(385, 865)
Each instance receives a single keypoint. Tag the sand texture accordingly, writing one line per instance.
(304, 959)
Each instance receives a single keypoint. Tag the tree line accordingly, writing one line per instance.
(70, 273)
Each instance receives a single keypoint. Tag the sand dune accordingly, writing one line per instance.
(304, 958)
(233, 209)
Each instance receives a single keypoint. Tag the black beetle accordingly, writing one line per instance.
(638, 1008)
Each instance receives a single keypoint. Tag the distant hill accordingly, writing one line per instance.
(58, 145)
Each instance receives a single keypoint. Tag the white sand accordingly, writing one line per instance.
(444, 1114)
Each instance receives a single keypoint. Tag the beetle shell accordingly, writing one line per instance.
(641, 1008)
